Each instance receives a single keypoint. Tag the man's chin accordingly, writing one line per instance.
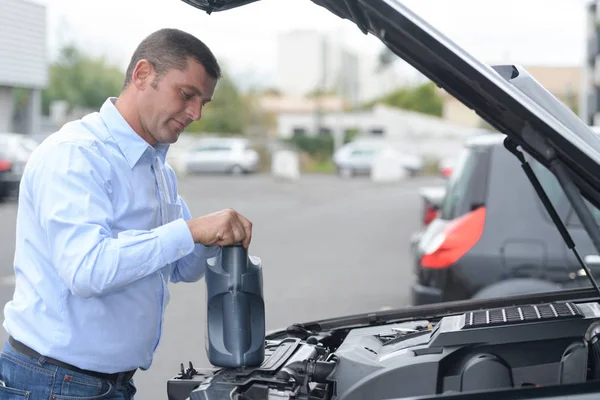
(172, 136)
(170, 139)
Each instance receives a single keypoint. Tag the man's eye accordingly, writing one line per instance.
(186, 95)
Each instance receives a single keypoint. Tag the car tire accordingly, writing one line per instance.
(236, 170)
(345, 172)
(4, 192)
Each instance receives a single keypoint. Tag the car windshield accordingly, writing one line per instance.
(558, 197)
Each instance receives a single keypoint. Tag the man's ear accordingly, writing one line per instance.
(143, 74)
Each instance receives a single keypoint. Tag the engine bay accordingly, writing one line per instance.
(514, 347)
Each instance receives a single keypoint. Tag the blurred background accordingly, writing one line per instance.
(340, 153)
(297, 76)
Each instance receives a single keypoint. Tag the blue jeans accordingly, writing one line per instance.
(29, 378)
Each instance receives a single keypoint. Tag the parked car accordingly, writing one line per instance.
(446, 165)
(16, 149)
(357, 157)
(491, 232)
(431, 199)
(5, 175)
(221, 155)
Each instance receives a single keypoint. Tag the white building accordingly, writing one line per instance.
(22, 61)
(309, 60)
(312, 60)
(415, 133)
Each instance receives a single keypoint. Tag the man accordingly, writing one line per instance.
(101, 231)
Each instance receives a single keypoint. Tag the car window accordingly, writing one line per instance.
(557, 196)
(363, 152)
(458, 184)
(574, 219)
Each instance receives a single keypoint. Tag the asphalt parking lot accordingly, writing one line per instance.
(329, 247)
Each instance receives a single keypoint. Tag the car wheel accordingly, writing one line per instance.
(345, 172)
(4, 192)
(236, 170)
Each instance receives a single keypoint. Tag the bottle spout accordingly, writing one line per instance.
(234, 258)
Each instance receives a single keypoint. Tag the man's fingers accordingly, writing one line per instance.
(238, 233)
(247, 226)
(227, 226)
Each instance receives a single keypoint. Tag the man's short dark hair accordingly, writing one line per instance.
(169, 49)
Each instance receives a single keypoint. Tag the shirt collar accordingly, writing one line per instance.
(131, 144)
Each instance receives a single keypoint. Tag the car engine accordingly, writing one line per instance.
(511, 347)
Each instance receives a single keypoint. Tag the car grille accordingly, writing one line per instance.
(520, 314)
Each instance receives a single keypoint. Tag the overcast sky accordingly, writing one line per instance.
(547, 32)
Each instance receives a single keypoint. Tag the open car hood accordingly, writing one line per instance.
(506, 96)
(217, 5)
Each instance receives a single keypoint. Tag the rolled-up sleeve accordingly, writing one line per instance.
(72, 201)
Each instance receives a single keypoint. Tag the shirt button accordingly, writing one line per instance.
(142, 272)
(181, 252)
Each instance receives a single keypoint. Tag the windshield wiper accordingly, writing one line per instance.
(574, 196)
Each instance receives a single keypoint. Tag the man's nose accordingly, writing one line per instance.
(195, 111)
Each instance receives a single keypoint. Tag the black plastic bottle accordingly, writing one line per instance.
(235, 313)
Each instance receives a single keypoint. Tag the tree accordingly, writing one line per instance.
(81, 80)
(423, 98)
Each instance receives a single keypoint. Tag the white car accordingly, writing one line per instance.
(221, 155)
(356, 158)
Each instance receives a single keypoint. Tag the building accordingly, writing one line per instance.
(416, 133)
(280, 104)
(22, 63)
(564, 82)
(311, 61)
(589, 110)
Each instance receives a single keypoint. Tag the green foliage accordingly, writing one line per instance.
(423, 98)
(319, 147)
(350, 134)
(228, 112)
(320, 167)
(85, 81)
(81, 80)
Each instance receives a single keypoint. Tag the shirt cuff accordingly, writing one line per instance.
(175, 240)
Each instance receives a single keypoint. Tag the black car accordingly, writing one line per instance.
(534, 346)
(492, 235)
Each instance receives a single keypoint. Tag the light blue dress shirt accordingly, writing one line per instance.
(100, 233)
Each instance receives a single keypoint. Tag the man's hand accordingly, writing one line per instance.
(221, 228)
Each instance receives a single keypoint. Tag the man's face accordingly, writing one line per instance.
(168, 105)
